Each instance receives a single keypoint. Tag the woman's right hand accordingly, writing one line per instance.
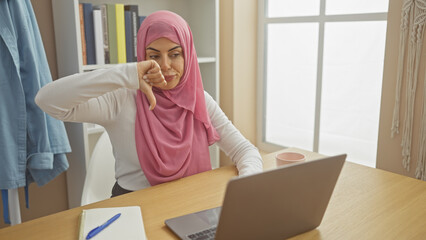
(149, 73)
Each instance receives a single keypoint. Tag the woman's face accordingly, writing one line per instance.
(169, 55)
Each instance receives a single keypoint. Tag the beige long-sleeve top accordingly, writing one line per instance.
(108, 97)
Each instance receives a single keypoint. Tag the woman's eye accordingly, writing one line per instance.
(175, 55)
(153, 57)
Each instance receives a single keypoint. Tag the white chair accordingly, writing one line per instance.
(100, 176)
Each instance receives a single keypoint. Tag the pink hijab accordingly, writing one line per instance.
(172, 140)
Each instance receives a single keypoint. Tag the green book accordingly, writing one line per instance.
(112, 34)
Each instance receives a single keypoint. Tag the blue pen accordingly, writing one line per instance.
(97, 230)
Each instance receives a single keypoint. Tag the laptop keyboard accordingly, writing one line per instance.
(203, 235)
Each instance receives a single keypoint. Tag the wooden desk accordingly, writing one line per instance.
(367, 203)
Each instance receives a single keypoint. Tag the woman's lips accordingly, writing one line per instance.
(169, 78)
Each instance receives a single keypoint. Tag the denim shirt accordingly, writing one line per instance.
(32, 144)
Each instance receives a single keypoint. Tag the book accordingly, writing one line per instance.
(99, 36)
(112, 34)
(121, 33)
(104, 30)
(88, 31)
(83, 37)
(129, 37)
(128, 226)
(134, 12)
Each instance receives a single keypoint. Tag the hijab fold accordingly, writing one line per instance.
(172, 139)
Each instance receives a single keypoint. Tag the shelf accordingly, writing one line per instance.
(94, 128)
(87, 68)
(206, 59)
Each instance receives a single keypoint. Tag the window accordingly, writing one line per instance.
(320, 75)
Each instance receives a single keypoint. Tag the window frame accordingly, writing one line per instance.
(321, 19)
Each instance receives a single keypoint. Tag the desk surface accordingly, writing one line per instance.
(367, 203)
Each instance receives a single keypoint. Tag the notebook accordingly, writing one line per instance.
(275, 204)
(128, 226)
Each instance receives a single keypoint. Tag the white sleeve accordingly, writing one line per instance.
(243, 154)
(94, 97)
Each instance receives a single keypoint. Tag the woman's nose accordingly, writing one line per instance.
(165, 63)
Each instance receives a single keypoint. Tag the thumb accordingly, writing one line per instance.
(151, 98)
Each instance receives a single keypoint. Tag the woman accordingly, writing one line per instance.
(157, 115)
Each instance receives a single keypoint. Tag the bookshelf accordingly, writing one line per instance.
(203, 18)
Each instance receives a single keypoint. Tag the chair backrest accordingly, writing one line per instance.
(100, 176)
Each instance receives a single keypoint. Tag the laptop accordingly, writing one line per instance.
(274, 204)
